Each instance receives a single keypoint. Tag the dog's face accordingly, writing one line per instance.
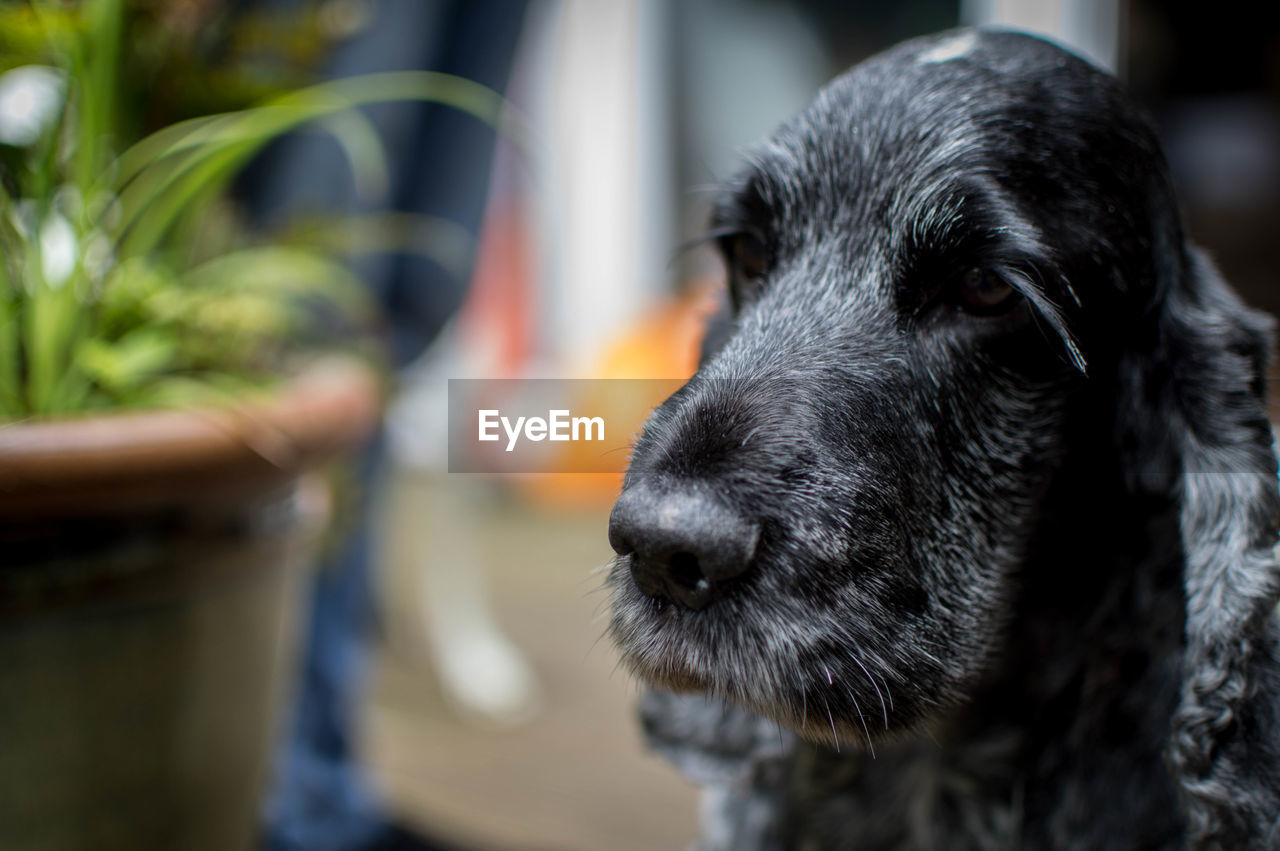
(828, 523)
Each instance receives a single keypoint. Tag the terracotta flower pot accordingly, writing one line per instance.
(148, 579)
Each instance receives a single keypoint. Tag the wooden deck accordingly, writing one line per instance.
(575, 777)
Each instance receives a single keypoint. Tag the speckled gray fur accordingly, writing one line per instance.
(1025, 558)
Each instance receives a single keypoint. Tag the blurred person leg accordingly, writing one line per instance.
(439, 162)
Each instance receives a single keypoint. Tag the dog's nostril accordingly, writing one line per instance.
(648, 575)
(683, 568)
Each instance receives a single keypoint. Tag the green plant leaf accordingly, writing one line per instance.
(280, 270)
(124, 365)
(164, 303)
(436, 238)
(158, 176)
(96, 64)
(11, 397)
(362, 146)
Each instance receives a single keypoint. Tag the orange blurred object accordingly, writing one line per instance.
(663, 344)
(497, 327)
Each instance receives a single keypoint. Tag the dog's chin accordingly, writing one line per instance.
(669, 677)
(813, 727)
(669, 648)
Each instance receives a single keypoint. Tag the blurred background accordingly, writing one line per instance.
(644, 107)
(453, 691)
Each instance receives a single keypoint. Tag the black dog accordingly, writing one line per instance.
(977, 494)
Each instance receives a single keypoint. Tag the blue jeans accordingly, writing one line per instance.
(439, 161)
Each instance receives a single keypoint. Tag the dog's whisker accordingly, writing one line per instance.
(608, 565)
(616, 665)
(705, 189)
(601, 637)
(1071, 291)
(835, 739)
(858, 662)
(857, 710)
(888, 692)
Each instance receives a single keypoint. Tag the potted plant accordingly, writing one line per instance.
(159, 425)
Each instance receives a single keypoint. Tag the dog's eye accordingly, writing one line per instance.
(749, 255)
(982, 291)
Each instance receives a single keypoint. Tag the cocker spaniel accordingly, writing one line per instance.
(961, 536)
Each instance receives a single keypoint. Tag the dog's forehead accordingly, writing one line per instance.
(963, 71)
(915, 97)
(931, 103)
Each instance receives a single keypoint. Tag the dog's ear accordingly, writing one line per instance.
(1194, 393)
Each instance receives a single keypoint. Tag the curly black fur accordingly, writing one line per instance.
(1001, 431)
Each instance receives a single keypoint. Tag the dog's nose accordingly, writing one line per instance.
(683, 546)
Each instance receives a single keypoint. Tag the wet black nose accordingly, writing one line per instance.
(683, 546)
